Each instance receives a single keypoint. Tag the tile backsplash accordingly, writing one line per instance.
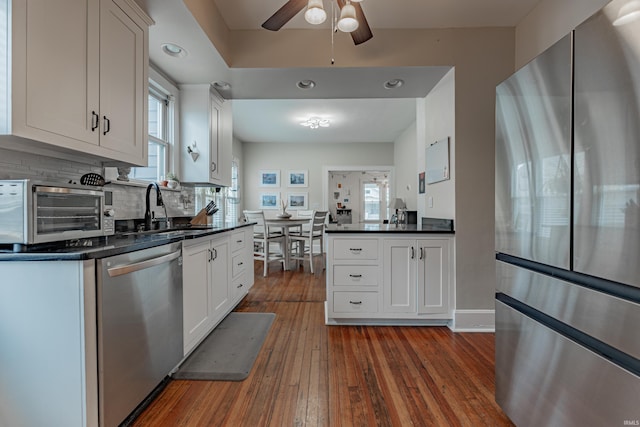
(129, 200)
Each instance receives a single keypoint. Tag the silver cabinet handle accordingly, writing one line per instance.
(355, 302)
(137, 266)
(210, 255)
(421, 253)
(214, 166)
(355, 250)
(355, 276)
(239, 286)
(413, 252)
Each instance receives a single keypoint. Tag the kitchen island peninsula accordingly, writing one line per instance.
(390, 274)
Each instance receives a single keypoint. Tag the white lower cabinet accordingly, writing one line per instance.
(388, 279)
(48, 344)
(416, 276)
(215, 279)
(196, 273)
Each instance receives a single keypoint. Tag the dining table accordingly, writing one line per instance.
(286, 224)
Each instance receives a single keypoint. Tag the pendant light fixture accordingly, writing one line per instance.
(348, 22)
(315, 13)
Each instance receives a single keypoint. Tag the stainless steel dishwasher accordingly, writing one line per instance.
(139, 326)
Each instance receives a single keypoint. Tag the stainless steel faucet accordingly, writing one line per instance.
(148, 217)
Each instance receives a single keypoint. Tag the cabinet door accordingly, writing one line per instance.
(195, 293)
(58, 48)
(214, 138)
(219, 276)
(399, 281)
(123, 85)
(433, 276)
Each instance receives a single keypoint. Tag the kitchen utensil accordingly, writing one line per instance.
(211, 208)
(92, 179)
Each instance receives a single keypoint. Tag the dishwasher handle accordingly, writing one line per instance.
(137, 266)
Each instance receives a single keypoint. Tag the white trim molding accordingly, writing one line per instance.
(474, 321)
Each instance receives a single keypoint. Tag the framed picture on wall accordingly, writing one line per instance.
(269, 200)
(297, 201)
(421, 183)
(270, 178)
(297, 178)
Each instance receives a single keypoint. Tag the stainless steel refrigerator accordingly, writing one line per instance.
(568, 230)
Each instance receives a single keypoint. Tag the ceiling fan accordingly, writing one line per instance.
(351, 19)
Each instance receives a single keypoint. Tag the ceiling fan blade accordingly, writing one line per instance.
(363, 32)
(284, 14)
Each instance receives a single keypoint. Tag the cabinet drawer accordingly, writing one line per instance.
(355, 302)
(355, 249)
(355, 275)
(239, 263)
(237, 241)
(239, 285)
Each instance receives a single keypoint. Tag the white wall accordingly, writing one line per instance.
(311, 157)
(437, 118)
(548, 22)
(406, 172)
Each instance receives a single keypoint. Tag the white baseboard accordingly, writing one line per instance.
(474, 321)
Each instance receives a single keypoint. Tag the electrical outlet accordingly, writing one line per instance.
(430, 201)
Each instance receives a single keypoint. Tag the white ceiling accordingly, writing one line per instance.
(355, 101)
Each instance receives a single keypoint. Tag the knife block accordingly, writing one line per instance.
(201, 218)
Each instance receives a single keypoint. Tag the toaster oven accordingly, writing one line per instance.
(35, 212)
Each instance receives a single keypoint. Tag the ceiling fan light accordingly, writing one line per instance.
(315, 13)
(629, 12)
(348, 22)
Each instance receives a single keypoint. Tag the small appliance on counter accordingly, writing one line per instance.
(39, 212)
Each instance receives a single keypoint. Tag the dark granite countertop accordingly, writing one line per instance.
(388, 228)
(101, 247)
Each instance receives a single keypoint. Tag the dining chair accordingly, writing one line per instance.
(305, 238)
(263, 237)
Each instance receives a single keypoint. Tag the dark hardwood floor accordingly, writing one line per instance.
(309, 374)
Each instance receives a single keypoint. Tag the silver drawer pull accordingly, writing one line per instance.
(355, 302)
(355, 276)
(240, 263)
(355, 249)
(240, 285)
(238, 241)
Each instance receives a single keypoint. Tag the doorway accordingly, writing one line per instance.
(357, 194)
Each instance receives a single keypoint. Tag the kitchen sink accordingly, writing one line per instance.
(166, 232)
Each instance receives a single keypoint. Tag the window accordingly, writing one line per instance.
(372, 201)
(161, 118)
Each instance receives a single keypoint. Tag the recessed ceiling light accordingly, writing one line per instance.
(220, 85)
(393, 83)
(306, 84)
(174, 50)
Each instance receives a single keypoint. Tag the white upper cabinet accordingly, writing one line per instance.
(76, 78)
(123, 83)
(206, 128)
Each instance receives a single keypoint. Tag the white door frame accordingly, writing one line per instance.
(328, 169)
